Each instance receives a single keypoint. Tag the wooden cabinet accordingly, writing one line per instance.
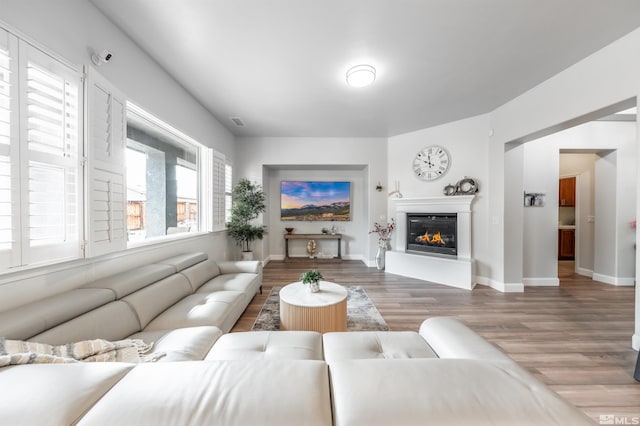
(566, 244)
(567, 192)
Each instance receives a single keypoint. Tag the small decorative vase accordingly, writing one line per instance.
(314, 287)
(380, 255)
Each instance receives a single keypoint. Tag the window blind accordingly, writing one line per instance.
(10, 208)
(218, 191)
(228, 190)
(6, 222)
(50, 158)
(107, 217)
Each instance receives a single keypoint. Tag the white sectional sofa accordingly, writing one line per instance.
(445, 374)
(183, 304)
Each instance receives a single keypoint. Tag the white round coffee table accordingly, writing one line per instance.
(323, 311)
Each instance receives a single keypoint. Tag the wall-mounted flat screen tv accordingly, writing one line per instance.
(315, 201)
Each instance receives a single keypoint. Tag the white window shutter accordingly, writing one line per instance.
(50, 148)
(107, 218)
(218, 185)
(10, 248)
(228, 190)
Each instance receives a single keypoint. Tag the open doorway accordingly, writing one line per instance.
(577, 201)
(568, 209)
(599, 157)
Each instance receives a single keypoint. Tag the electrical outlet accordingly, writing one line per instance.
(591, 219)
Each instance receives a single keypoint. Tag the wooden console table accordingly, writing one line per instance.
(288, 237)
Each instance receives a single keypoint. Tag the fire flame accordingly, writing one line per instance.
(435, 239)
(424, 238)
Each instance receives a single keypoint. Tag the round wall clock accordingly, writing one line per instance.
(431, 163)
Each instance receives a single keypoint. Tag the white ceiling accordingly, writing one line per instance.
(280, 65)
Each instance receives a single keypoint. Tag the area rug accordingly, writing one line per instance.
(362, 314)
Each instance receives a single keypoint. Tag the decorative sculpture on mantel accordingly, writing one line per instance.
(396, 192)
(466, 186)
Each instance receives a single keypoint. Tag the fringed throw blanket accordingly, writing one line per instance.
(13, 352)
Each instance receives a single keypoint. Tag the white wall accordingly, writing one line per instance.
(467, 143)
(353, 245)
(259, 158)
(71, 29)
(606, 78)
(604, 255)
(540, 224)
(513, 221)
(613, 256)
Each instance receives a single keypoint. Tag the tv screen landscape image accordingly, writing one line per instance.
(315, 201)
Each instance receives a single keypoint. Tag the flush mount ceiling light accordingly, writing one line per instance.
(361, 75)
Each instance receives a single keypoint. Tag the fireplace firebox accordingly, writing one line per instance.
(432, 233)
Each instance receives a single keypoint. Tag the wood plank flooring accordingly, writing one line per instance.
(576, 338)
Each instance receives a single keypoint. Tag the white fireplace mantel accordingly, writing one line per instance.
(456, 271)
(452, 204)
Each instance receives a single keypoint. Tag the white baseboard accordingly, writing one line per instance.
(618, 281)
(541, 282)
(359, 257)
(478, 279)
(506, 287)
(584, 272)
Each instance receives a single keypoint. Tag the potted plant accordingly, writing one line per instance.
(312, 278)
(248, 203)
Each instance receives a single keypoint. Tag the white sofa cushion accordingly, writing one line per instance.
(183, 261)
(268, 345)
(443, 392)
(113, 321)
(218, 393)
(449, 338)
(127, 282)
(375, 344)
(54, 394)
(200, 273)
(182, 344)
(243, 282)
(28, 320)
(220, 309)
(240, 266)
(152, 300)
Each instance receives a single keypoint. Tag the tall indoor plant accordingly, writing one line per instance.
(248, 203)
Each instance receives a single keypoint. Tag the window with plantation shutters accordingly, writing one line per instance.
(218, 191)
(228, 192)
(10, 254)
(40, 145)
(50, 173)
(107, 226)
(64, 196)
